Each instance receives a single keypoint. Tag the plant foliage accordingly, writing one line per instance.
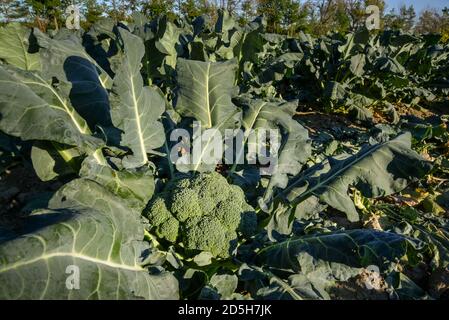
(94, 111)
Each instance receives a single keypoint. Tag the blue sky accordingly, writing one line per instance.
(418, 4)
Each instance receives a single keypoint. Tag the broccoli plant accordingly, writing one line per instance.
(174, 121)
(204, 212)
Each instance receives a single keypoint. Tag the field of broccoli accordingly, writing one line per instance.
(103, 195)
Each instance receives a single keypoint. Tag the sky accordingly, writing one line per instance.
(419, 5)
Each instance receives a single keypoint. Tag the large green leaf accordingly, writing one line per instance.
(51, 160)
(168, 39)
(58, 52)
(357, 65)
(205, 90)
(248, 44)
(66, 60)
(204, 93)
(377, 170)
(355, 248)
(355, 42)
(135, 108)
(225, 21)
(309, 266)
(33, 109)
(279, 66)
(134, 186)
(90, 229)
(99, 42)
(15, 47)
(294, 148)
(162, 48)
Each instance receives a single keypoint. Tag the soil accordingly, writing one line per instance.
(18, 185)
(366, 286)
(439, 284)
(317, 121)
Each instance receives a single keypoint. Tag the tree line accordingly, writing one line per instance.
(283, 16)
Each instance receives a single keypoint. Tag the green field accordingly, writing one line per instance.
(356, 206)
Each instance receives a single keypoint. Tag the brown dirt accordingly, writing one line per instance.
(417, 111)
(366, 286)
(439, 284)
(318, 120)
(17, 186)
(332, 125)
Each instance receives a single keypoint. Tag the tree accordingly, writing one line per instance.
(154, 8)
(93, 12)
(292, 16)
(194, 8)
(325, 11)
(12, 10)
(431, 21)
(404, 20)
(45, 12)
(355, 10)
(133, 5)
(408, 16)
(283, 16)
(340, 15)
(189, 9)
(329, 15)
(445, 25)
(247, 11)
(341, 21)
(231, 5)
(117, 10)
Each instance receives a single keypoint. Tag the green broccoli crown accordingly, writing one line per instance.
(184, 204)
(204, 211)
(207, 234)
(169, 229)
(166, 226)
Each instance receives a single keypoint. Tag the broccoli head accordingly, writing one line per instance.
(208, 234)
(165, 225)
(204, 212)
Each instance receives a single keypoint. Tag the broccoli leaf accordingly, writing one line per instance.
(310, 266)
(51, 160)
(295, 145)
(66, 50)
(14, 47)
(377, 170)
(28, 101)
(205, 92)
(134, 186)
(135, 108)
(87, 229)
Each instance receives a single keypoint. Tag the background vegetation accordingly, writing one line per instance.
(316, 17)
(357, 207)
